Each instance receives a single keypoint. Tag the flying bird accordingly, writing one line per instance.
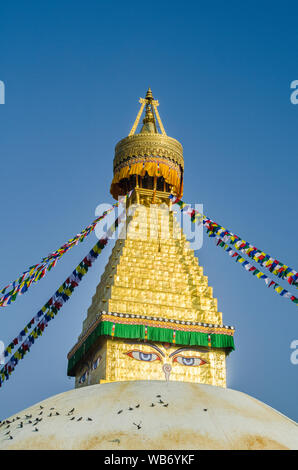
(138, 425)
(120, 411)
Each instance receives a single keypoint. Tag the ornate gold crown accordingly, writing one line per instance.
(150, 152)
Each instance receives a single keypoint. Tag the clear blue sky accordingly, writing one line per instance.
(222, 71)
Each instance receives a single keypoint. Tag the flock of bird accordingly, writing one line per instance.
(9, 426)
(160, 402)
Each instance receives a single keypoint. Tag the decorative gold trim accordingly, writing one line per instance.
(148, 144)
(166, 323)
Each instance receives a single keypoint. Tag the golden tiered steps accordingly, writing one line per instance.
(152, 272)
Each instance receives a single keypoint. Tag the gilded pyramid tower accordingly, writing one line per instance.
(153, 316)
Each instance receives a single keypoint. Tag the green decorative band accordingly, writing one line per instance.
(164, 335)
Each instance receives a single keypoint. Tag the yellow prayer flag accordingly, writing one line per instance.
(259, 274)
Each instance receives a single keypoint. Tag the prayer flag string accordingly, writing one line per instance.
(52, 306)
(38, 271)
(225, 237)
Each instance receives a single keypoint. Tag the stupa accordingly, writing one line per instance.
(150, 362)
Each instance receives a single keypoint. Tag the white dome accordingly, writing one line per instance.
(120, 415)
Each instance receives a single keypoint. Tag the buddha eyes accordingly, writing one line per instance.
(92, 366)
(83, 378)
(95, 363)
(189, 361)
(151, 357)
(142, 356)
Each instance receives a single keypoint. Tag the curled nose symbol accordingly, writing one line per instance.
(167, 370)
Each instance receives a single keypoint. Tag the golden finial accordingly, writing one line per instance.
(151, 108)
(149, 95)
(149, 117)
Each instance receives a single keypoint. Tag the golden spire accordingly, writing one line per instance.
(149, 124)
(149, 120)
(149, 152)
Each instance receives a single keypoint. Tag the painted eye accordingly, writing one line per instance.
(142, 356)
(83, 378)
(189, 361)
(95, 363)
